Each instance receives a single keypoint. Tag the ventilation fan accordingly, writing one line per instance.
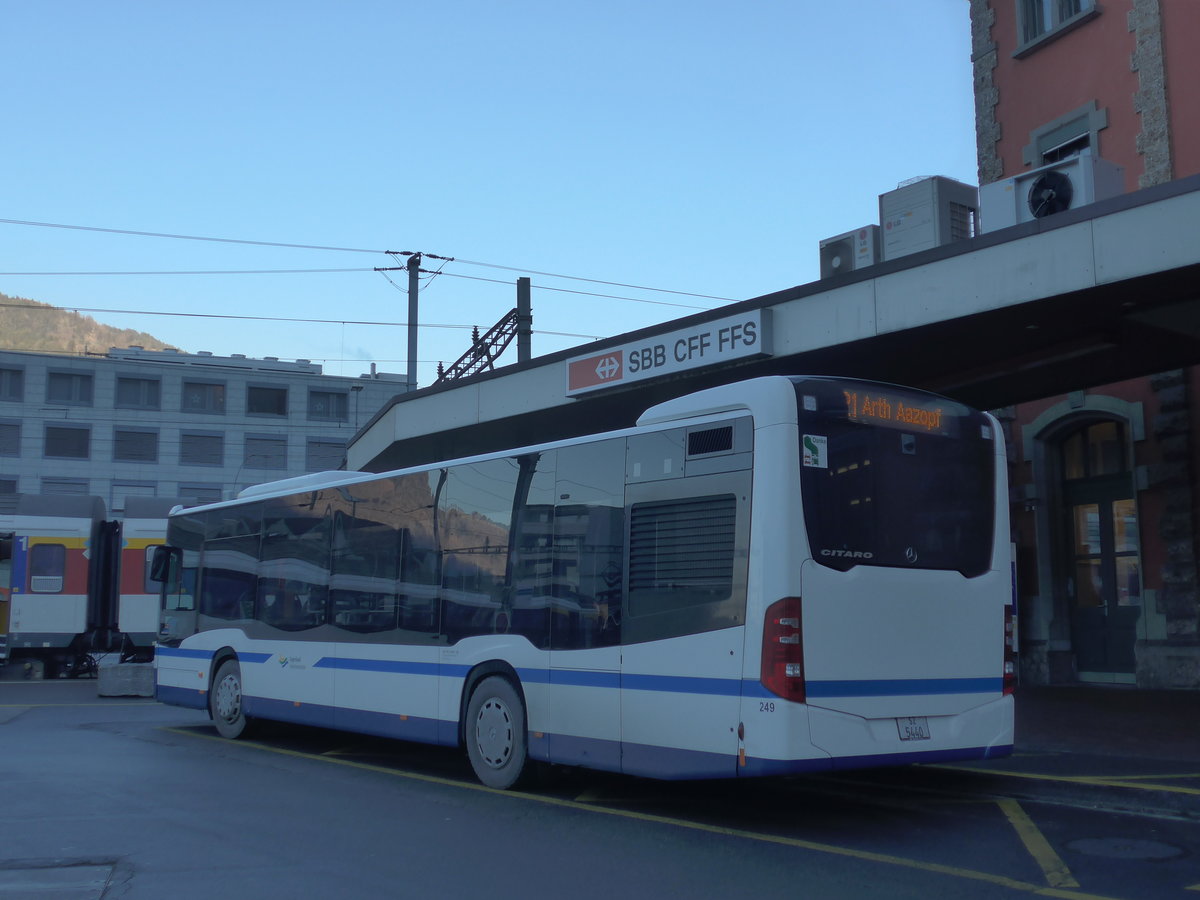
(850, 251)
(1050, 193)
(1068, 184)
(837, 256)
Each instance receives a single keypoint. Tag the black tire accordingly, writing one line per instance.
(225, 701)
(495, 733)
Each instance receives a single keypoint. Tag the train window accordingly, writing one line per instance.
(47, 568)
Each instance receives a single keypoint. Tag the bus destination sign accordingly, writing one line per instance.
(709, 344)
(881, 408)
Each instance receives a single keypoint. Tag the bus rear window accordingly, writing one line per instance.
(893, 477)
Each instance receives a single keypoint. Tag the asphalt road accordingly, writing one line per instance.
(126, 798)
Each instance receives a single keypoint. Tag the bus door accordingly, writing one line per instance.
(583, 594)
(682, 628)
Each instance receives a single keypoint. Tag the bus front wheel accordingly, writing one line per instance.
(225, 701)
(495, 733)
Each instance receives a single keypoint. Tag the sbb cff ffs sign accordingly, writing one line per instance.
(737, 337)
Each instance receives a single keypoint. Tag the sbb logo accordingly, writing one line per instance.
(647, 358)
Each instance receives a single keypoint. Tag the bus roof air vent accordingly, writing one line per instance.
(710, 440)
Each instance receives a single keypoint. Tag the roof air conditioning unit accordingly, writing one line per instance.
(850, 252)
(923, 213)
(1067, 184)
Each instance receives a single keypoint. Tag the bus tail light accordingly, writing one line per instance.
(782, 670)
(1010, 649)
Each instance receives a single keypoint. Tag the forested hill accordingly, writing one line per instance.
(39, 327)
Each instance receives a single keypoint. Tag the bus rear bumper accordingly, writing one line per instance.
(844, 741)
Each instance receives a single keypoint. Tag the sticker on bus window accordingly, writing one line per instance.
(816, 451)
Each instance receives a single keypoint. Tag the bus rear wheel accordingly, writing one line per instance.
(225, 701)
(495, 733)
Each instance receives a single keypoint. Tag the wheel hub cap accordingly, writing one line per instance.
(494, 734)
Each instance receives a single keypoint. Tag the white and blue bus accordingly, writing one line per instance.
(787, 574)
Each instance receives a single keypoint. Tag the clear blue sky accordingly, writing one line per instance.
(702, 147)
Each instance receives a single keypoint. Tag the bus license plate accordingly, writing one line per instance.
(915, 728)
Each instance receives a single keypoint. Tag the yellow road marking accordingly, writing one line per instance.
(93, 703)
(798, 843)
(1161, 775)
(1055, 870)
(1096, 780)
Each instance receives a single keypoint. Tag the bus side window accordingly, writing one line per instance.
(474, 525)
(293, 562)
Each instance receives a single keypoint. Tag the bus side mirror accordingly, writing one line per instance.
(163, 565)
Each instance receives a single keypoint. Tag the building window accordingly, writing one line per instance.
(266, 401)
(137, 393)
(328, 406)
(10, 438)
(323, 456)
(201, 449)
(135, 446)
(12, 384)
(123, 490)
(72, 486)
(72, 388)
(203, 397)
(65, 442)
(193, 494)
(1095, 451)
(1068, 135)
(1042, 20)
(265, 453)
(8, 485)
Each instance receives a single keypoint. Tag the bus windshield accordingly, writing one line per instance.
(894, 477)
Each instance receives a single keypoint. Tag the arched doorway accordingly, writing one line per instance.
(1099, 561)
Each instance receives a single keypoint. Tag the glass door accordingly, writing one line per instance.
(1104, 583)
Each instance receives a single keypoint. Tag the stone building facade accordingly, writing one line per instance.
(1104, 480)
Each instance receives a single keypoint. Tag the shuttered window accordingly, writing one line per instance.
(681, 552)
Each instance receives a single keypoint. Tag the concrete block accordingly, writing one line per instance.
(126, 680)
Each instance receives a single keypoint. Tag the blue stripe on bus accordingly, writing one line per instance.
(184, 653)
(387, 725)
(181, 653)
(717, 687)
(755, 766)
(391, 666)
(585, 678)
(675, 684)
(903, 687)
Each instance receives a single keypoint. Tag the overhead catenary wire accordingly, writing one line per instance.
(200, 272)
(336, 249)
(543, 287)
(151, 312)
